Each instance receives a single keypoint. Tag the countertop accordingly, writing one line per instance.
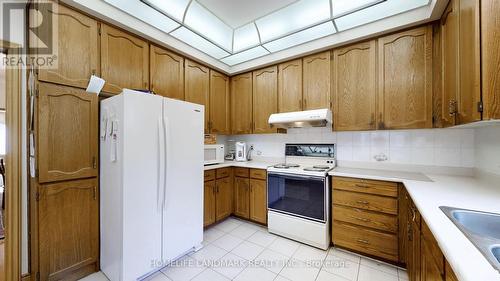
(247, 164)
(431, 191)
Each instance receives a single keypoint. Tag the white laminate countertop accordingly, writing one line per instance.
(247, 164)
(429, 192)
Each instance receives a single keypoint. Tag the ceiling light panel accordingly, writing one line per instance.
(245, 56)
(198, 42)
(377, 12)
(292, 18)
(245, 37)
(173, 8)
(301, 37)
(145, 13)
(209, 26)
(342, 7)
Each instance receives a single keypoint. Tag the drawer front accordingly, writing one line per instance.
(241, 172)
(366, 241)
(366, 201)
(370, 219)
(209, 175)
(366, 186)
(258, 174)
(223, 173)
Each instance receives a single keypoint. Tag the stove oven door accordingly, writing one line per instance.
(298, 195)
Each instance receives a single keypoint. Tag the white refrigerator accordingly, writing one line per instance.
(151, 183)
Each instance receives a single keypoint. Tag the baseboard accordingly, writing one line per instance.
(26, 277)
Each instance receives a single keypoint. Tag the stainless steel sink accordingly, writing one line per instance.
(481, 228)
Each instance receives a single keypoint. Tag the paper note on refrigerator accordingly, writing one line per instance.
(95, 85)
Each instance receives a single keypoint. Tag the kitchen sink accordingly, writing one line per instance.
(481, 228)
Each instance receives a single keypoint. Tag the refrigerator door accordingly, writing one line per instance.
(183, 205)
(142, 184)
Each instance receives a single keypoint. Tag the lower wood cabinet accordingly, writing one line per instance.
(68, 227)
(242, 197)
(218, 195)
(258, 200)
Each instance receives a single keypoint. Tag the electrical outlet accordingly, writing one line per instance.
(251, 147)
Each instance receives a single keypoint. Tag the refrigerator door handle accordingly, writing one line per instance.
(161, 162)
(166, 154)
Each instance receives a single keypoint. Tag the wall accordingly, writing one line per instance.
(433, 147)
(488, 149)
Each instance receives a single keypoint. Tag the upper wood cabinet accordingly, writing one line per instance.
(166, 73)
(405, 79)
(78, 54)
(265, 98)
(219, 103)
(290, 86)
(354, 87)
(68, 229)
(197, 81)
(124, 61)
(67, 133)
(241, 104)
(316, 81)
(490, 44)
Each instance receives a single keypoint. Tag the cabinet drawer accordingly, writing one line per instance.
(209, 175)
(366, 186)
(366, 201)
(241, 172)
(365, 240)
(433, 246)
(370, 219)
(223, 173)
(258, 174)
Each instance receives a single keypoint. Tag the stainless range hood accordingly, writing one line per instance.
(301, 119)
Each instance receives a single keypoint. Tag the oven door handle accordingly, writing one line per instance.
(298, 177)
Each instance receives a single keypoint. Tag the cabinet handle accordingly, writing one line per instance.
(362, 219)
(93, 71)
(363, 202)
(362, 185)
(363, 241)
(305, 104)
(94, 162)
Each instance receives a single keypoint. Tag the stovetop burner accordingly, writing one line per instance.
(286, 166)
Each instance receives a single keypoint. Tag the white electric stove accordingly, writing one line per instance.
(298, 194)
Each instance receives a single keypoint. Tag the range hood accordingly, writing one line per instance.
(301, 119)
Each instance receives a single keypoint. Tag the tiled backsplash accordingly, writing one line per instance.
(433, 147)
(488, 149)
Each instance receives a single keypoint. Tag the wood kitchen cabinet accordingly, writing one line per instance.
(241, 104)
(68, 228)
(224, 198)
(290, 86)
(405, 79)
(124, 61)
(219, 104)
(197, 81)
(242, 197)
(166, 73)
(258, 196)
(77, 48)
(450, 66)
(218, 195)
(265, 98)
(354, 87)
(316, 81)
(209, 203)
(490, 60)
(67, 133)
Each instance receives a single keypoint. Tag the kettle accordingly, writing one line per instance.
(241, 151)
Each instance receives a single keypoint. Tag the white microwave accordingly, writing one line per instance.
(214, 154)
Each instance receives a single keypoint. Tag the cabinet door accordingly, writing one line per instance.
(416, 259)
(77, 55)
(405, 80)
(354, 87)
(224, 198)
(68, 223)
(209, 203)
(490, 61)
(290, 86)
(241, 104)
(403, 224)
(317, 81)
(450, 275)
(430, 270)
(67, 133)
(167, 73)
(449, 30)
(124, 61)
(470, 62)
(197, 81)
(265, 98)
(219, 103)
(258, 201)
(242, 197)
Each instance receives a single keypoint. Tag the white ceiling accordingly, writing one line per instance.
(236, 13)
(189, 38)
